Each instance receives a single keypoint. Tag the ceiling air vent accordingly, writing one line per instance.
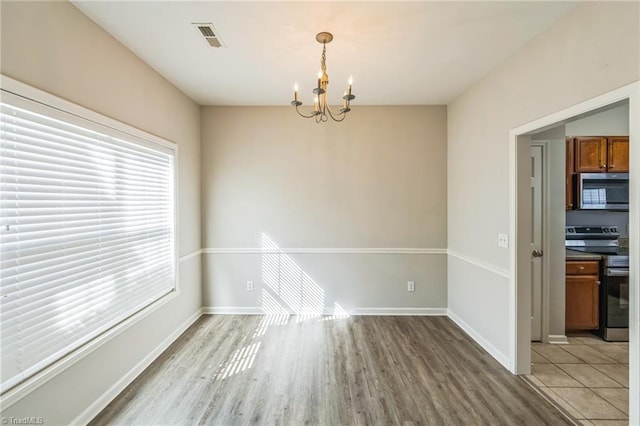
(206, 31)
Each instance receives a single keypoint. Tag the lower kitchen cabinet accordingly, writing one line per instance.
(582, 289)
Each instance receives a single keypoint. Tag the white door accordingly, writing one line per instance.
(536, 242)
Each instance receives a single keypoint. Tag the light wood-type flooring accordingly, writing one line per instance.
(296, 370)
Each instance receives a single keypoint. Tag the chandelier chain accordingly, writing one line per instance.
(323, 59)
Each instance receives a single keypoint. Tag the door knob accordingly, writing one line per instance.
(536, 253)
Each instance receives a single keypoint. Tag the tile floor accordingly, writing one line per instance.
(588, 378)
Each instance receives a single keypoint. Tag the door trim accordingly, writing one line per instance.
(520, 344)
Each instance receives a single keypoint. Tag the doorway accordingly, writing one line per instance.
(520, 228)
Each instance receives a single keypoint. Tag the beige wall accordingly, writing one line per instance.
(589, 52)
(611, 122)
(54, 47)
(376, 181)
(379, 181)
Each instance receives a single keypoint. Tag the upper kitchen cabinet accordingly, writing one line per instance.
(591, 154)
(595, 154)
(618, 154)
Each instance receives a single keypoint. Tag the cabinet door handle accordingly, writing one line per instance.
(598, 282)
(603, 166)
(611, 166)
(580, 268)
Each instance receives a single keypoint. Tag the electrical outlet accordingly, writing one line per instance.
(411, 286)
(249, 285)
(503, 240)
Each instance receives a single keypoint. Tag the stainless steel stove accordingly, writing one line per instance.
(614, 276)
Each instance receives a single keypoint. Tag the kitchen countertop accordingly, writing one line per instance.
(580, 255)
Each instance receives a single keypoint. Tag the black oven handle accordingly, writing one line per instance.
(616, 272)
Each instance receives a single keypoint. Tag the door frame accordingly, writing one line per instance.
(546, 249)
(519, 284)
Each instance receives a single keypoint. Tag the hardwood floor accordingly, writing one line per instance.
(267, 370)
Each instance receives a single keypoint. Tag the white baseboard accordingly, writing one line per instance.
(558, 339)
(399, 311)
(484, 343)
(99, 404)
(242, 310)
(232, 310)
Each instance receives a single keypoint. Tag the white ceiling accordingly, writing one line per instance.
(399, 53)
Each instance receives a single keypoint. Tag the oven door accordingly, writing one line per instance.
(616, 286)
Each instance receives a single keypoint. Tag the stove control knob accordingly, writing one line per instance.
(605, 230)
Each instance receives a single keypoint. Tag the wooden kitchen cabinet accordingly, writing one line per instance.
(618, 155)
(582, 290)
(597, 154)
(591, 154)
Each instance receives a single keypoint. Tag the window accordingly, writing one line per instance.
(87, 232)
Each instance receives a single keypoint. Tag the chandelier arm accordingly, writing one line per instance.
(343, 114)
(305, 116)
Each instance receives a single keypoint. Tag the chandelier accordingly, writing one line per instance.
(321, 111)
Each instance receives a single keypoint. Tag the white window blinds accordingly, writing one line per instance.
(86, 232)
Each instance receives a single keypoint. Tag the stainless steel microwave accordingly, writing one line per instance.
(603, 191)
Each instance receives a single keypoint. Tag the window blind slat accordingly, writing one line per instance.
(69, 304)
(11, 170)
(81, 132)
(47, 277)
(47, 137)
(22, 143)
(91, 168)
(72, 246)
(76, 315)
(27, 276)
(87, 234)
